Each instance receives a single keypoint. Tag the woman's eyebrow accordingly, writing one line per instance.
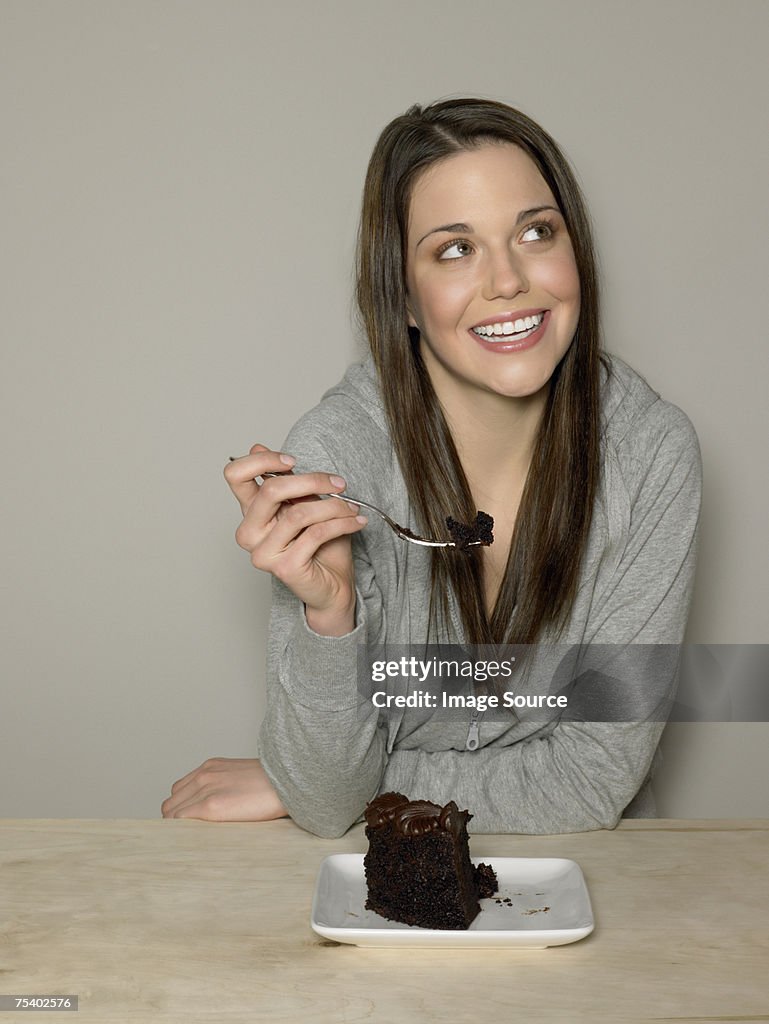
(467, 228)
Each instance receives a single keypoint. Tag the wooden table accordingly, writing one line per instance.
(187, 921)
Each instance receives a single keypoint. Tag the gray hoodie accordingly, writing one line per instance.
(325, 747)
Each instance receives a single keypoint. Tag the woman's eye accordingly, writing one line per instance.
(538, 233)
(455, 250)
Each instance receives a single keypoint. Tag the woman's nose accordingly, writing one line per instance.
(505, 276)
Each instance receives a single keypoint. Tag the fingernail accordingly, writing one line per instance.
(288, 460)
(337, 481)
(361, 519)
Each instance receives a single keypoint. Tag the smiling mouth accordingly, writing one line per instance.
(517, 329)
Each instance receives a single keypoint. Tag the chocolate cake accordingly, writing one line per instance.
(418, 868)
(478, 532)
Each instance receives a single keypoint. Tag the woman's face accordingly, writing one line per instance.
(491, 278)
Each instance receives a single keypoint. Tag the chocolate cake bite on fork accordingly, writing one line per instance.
(478, 532)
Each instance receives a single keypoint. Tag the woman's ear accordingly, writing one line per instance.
(410, 316)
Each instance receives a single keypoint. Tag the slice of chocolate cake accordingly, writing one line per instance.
(418, 867)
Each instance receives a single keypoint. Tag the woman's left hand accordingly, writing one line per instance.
(225, 789)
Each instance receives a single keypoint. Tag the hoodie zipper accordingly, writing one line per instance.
(473, 738)
(473, 733)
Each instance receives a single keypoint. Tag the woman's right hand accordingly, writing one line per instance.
(303, 540)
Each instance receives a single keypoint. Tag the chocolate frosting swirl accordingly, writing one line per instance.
(415, 817)
(382, 808)
(452, 819)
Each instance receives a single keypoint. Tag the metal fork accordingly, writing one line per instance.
(402, 531)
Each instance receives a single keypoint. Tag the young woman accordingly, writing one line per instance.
(486, 389)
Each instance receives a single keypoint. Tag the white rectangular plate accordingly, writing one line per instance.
(549, 906)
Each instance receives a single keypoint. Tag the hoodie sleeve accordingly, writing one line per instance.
(320, 744)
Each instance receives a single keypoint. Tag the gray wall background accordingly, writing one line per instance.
(180, 189)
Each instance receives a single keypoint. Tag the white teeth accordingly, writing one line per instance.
(510, 327)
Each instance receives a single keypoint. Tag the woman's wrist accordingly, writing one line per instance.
(331, 621)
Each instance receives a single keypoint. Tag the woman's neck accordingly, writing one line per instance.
(495, 437)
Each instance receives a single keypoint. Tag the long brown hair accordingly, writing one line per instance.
(553, 521)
